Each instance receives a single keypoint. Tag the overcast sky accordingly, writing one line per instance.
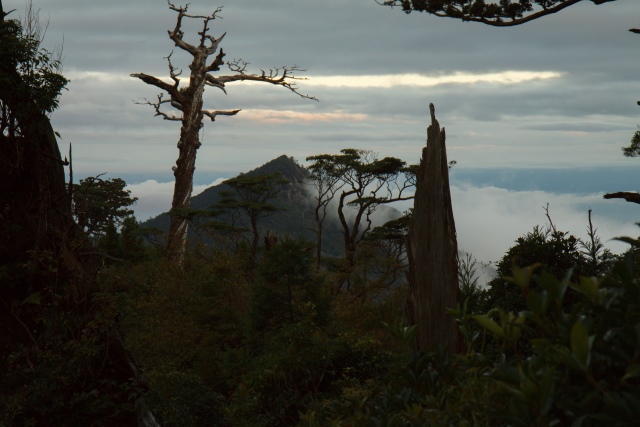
(559, 92)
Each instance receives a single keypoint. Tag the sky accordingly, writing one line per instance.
(534, 114)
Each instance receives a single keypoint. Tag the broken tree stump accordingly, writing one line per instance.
(433, 249)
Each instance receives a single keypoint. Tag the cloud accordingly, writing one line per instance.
(154, 197)
(490, 219)
(421, 80)
(280, 116)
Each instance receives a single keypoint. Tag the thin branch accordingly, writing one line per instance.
(156, 106)
(172, 72)
(177, 34)
(276, 76)
(551, 224)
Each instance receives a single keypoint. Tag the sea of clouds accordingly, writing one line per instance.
(488, 219)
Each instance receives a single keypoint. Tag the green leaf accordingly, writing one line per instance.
(537, 302)
(588, 286)
(522, 276)
(629, 240)
(546, 390)
(633, 371)
(34, 298)
(489, 324)
(580, 344)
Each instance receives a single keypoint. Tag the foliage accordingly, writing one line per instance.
(559, 252)
(501, 14)
(68, 375)
(287, 290)
(183, 325)
(472, 293)
(581, 369)
(381, 261)
(251, 196)
(326, 182)
(367, 183)
(31, 71)
(633, 150)
(126, 244)
(99, 202)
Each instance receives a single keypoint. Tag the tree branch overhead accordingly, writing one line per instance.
(505, 13)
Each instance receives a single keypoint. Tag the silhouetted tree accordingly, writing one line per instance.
(366, 183)
(99, 202)
(189, 104)
(251, 195)
(34, 207)
(326, 182)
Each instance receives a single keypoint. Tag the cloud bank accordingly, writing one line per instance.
(488, 219)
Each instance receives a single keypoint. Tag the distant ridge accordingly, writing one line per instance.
(295, 220)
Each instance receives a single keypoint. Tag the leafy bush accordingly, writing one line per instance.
(75, 373)
(582, 367)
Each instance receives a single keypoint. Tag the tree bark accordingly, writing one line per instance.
(185, 165)
(433, 250)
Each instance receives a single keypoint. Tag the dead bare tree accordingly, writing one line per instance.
(188, 101)
(433, 249)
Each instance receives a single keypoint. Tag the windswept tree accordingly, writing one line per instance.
(251, 195)
(326, 182)
(188, 102)
(367, 183)
(505, 13)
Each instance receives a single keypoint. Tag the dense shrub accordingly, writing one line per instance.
(582, 368)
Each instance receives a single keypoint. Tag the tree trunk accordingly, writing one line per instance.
(186, 163)
(256, 238)
(432, 249)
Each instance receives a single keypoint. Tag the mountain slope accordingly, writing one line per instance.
(296, 218)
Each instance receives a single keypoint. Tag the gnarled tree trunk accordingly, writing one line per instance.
(188, 101)
(432, 249)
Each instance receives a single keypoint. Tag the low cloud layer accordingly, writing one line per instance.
(154, 197)
(488, 219)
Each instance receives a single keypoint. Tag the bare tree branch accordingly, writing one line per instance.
(154, 81)
(277, 76)
(218, 61)
(156, 106)
(213, 113)
(626, 195)
(172, 72)
(177, 34)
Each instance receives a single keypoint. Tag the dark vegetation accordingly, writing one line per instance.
(97, 327)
